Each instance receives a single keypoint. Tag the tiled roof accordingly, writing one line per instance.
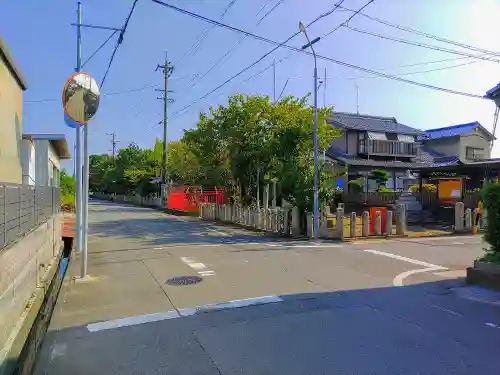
(455, 130)
(372, 123)
(425, 160)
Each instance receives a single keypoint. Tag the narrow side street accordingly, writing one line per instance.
(304, 308)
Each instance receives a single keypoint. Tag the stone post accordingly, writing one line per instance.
(340, 222)
(295, 221)
(202, 211)
(388, 223)
(459, 216)
(265, 204)
(468, 219)
(378, 223)
(400, 219)
(309, 230)
(285, 222)
(365, 231)
(323, 225)
(352, 228)
(274, 195)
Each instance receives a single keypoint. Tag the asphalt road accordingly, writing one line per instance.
(380, 307)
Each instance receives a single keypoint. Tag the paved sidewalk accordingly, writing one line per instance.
(310, 309)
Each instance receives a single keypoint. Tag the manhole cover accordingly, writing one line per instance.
(184, 280)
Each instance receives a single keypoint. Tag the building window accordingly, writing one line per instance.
(406, 138)
(377, 136)
(474, 153)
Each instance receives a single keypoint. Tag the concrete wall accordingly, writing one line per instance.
(477, 140)
(347, 143)
(28, 161)
(22, 267)
(449, 146)
(11, 129)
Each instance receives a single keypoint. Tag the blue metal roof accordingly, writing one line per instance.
(495, 91)
(452, 131)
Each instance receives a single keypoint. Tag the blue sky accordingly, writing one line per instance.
(42, 41)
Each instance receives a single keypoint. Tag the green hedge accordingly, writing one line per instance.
(491, 197)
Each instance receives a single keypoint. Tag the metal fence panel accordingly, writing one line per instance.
(23, 208)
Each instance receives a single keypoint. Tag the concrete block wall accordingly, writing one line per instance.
(22, 267)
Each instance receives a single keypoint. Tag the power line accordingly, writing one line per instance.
(99, 48)
(202, 37)
(425, 34)
(238, 42)
(346, 22)
(422, 45)
(119, 41)
(269, 12)
(278, 45)
(283, 44)
(126, 91)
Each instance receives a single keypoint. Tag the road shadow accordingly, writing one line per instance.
(417, 329)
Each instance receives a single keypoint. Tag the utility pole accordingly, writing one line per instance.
(324, 90)
(167, 71)
(113, 143)
(274, 80)
(78, 160)
(357, 99)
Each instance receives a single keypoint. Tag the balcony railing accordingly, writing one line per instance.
(388, 148)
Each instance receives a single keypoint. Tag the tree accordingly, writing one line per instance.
(68, 189)
(380, 176)
(232, 142)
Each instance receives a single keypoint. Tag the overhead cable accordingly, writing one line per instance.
(425, 34)
(119, 41)
(423, 45)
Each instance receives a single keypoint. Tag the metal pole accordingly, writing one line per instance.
(165, 129)
(79, 177)
(324, 90)
(274, 80)
(78, 132)
(316, 162)
(85, 205)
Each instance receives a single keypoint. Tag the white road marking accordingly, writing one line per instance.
(207, 273)
(241, 303)
(201, 268)
(398, 280)
(132, 321)
(446, 310)
(173, 314)
(405, 259)
(224, 234)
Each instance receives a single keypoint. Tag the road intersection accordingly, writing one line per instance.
(265, 305)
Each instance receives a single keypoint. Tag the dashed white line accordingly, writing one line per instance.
(201, 268)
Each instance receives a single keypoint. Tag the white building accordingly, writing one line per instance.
(41, 158)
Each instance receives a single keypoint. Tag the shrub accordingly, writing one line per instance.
(491, 197)
(425, 187)
(384, 189)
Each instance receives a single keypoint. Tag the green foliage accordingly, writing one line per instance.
(226, 149)
(491, 197)
(68, 190)
(384, 189)
(491, 256)
(380, 176)
(425, 187)
(357, 184)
